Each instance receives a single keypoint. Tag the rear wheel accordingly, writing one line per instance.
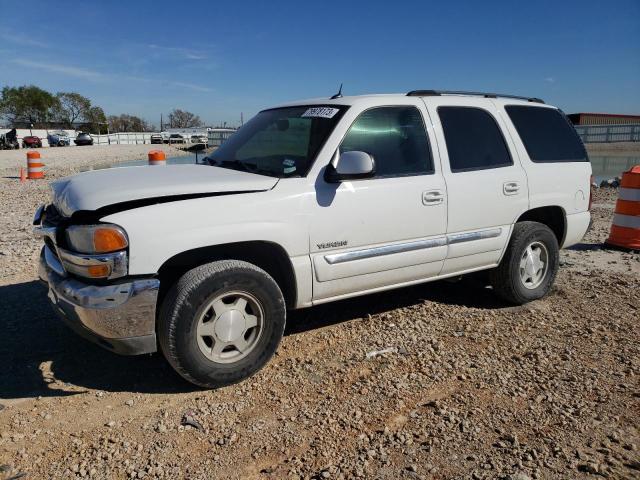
(529, 266)
(221, 322)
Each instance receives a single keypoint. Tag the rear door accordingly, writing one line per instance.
(557, 164)
(387, 230)
(486, 184)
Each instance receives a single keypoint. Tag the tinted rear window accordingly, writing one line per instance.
(474, 140)
(547, 134)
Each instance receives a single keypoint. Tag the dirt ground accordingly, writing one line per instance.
(472, 388)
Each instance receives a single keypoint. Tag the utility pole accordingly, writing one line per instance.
(241, 119)
(161, 129)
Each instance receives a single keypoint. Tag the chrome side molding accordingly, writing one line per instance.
(385, 250)
(471, 236)
(336, 258)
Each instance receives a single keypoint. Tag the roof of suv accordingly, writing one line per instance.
(424, 94)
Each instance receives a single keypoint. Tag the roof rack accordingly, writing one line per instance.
(436, 93)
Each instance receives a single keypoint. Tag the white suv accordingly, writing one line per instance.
(311, 202)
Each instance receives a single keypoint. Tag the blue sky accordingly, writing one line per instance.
(218, 59)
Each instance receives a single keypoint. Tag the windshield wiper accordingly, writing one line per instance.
(245, 167)
(235, 164)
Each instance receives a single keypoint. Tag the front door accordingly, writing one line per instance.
(389, 229)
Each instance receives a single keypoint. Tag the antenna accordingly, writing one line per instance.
(338, 95)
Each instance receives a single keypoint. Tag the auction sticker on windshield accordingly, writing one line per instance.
(322, 112)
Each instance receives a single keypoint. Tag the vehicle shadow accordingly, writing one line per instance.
(42, 357)
(469, 291)
(583, 247)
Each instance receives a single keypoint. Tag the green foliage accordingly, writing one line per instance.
(28, 104)
(95, 121)
(72, 107)
(127, 123)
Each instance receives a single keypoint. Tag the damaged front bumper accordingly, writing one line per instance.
(119, 316)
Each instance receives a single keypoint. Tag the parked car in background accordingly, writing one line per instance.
(9, 140)
(58, 139)
(156, 138)
(199, 139)
(83, 139)
(176, 138)
(165, 136)
(31, 141)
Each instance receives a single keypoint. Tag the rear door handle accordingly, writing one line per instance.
(510, 188)
(432, 197)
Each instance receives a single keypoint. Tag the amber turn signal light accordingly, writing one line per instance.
(108, 240)
(98, 271)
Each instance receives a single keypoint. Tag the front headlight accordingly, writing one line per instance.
(103, 238)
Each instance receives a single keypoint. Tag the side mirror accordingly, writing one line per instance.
(352, 165)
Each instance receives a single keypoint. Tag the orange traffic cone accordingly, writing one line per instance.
(625, 230)
(23, 175)
(157, 157)
(35, 167)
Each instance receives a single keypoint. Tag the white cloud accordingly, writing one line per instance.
(550, 80)
(21, 39)
(94, 75)
(191, 86)
(62, 69)
(184, 53)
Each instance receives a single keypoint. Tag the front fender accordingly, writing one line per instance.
(158, 232)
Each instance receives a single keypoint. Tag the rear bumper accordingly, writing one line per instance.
(577, 226)
(119, 317)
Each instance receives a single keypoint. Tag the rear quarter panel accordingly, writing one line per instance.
(563, 184)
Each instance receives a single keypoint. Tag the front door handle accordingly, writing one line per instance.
(510, 188)
(432, 197)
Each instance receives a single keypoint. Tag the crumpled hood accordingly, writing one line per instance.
(100, 188)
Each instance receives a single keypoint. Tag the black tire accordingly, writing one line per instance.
(506, 279)
(185, 300)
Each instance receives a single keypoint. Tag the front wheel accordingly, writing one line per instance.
(221, 322)
(529, 266)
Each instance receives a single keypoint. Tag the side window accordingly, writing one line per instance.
(546, 134)
(474, 140)
(396, 139)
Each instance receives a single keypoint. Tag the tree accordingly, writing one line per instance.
(183, 119)
(127, 123)
(72, 108)
(28, 105)
(95, 120)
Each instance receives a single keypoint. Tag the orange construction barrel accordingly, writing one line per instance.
(625, 230)
(35, 167)
(157, 157)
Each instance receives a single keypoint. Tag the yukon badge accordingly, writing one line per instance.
(338, 243)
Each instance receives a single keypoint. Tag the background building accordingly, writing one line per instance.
(602, 119)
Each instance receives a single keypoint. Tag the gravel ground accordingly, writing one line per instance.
(471, 388)
(86, 157)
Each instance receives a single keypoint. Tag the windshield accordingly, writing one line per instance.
(282, 142)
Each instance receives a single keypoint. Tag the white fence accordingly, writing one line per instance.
(627, 132)
(132, 138)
